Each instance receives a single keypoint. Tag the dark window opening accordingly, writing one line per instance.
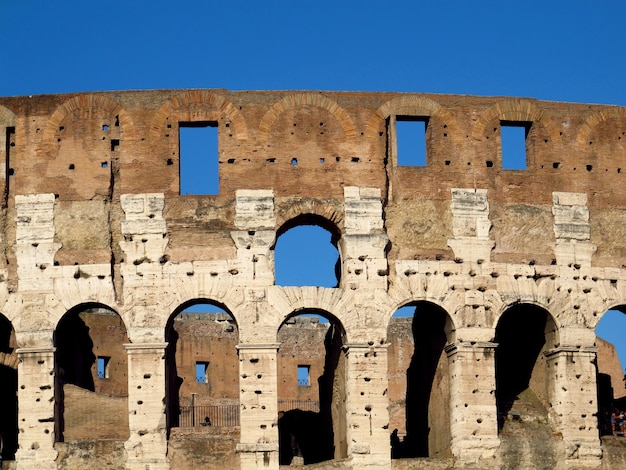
(513, 137)
(198, 147)
(411, 140)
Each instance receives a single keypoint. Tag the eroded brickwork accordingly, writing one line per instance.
(92, 216)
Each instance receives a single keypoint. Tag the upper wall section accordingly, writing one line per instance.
(310, 143)
(88, 149)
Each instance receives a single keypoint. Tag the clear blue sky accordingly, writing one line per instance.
(550, 49)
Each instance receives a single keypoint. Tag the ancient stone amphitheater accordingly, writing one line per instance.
(507, 271)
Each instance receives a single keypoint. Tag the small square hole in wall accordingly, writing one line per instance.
(513, 137)
(202, 369)
(102, 364)
(304, 379)
(199, 158)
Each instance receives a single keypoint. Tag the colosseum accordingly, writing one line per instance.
(143, 327)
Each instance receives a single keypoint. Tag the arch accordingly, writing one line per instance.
(91, 373)
(312, 413)
(516, 110)
(202, 346)
(310, 261)
(523, 331)
(583, 136)
(87, 101)
(419, 380)
(212, 103)
(321, 212)
(304, 99)
(408, 105)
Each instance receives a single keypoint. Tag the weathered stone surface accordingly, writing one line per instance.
(93, 216)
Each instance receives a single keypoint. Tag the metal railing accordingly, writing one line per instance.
(208, 415)
(304, 405)
(193, 416)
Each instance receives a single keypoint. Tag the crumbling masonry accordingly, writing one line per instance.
(499, 264)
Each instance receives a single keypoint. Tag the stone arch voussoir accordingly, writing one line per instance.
(213, 103)
(520, 110)
(409, 105)
(87, 101)
(204, 286)
(586, 129)
(311, 207)
(304, 99)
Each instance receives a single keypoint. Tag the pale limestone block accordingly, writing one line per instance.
(255, 210)
(569, 199)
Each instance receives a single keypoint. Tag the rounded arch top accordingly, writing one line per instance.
(197, 105)
(409, 105)
(310, 212)
(200, 301)
(552, 326)
(304, 99)
(86, 102)
(586, 129)
(87, 306)
(516, 110)
(450, 324)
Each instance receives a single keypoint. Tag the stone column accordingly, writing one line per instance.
(258, 398)
(571, 375)
(367, 406)
(147, 445)
(35, 376)
(473, 411)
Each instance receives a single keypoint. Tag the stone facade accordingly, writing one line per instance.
(506, 268)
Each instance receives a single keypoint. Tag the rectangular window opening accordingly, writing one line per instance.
(202, 376)
(411, 140)
(103, 366)
(198, 152)
(513, 136)
(303, 376)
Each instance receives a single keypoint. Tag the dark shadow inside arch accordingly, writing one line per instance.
(306, 252)
(311, 389)
(91, 375)
(8, 390)
(201, 367)
(521, 335)
(419, 332)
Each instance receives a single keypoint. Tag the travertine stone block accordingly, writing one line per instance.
(36, 398)
(473, 412)
(147, 445)
(258, 401)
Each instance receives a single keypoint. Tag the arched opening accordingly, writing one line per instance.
(418, 381)
(201, 368)
(306, 253)
(611, 358)
(8, 390)
(91, 375)
(311, 389)
(523, 334)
